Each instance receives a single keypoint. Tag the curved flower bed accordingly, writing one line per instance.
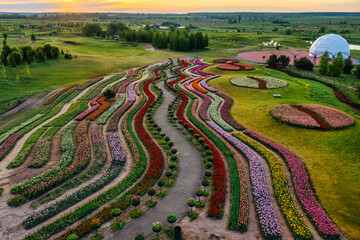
(26, 148)
(89, 83)
(259, 82)
(268, 222)
(116, 150)
(293, 217)
(224, 60)
(151, 175)
(8, 144)
(18, 127)
(68, 150)
(43, 148)
(103, 106)
(58, 93)
(217, 198)
(95, 105)
(103, 119)
(312, 116)
(111, 173)
(288, 114)
(235, 67)
(304, 190)
(225, 112)
(335, 118)
(81, 160)
(214, 112)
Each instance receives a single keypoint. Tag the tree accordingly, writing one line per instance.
(5, 35)
(109, 94)
(348, 66)
(6, 50)
(337, 66)
(172, 28)
(324, 63)
(91, 29)
(199, 41)
(14, 59)
(28, 53)
(304, 64)
(283, 60)
(239, 18)
(33, 38)
(322, 30)
(272, 61)
(357, 71)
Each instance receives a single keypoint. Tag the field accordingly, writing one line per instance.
(121, 136)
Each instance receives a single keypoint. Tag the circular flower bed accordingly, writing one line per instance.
(259, 82)
(235, 67)
(224, 60)
(312, 116)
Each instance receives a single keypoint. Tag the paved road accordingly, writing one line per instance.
(189, 180)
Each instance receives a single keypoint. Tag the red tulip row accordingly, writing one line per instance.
(217, 199)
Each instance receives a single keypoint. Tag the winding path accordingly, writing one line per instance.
(188, 181)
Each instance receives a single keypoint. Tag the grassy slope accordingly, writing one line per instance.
(96, 57)
(331, 157)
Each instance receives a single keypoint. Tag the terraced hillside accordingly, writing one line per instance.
(85, 164)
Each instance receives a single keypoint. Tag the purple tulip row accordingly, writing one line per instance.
(116, 150)
(267, 218)
(94, 105)
(131, 92)
(303, 188)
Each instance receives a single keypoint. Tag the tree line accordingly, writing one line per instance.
(174, 39)
(14, 56)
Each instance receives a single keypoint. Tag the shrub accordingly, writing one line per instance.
(109, 94)
(97, 236)
(170, 144)
(283, 60)
(348, 66)
(157, 227)
(191, 203)
(116, 212)
(357, 71)
(208, 165)
(337, 66)
(139, 236)
(192, 215)
(171, 219)
(14, 59)
(17, 201)
(272, 61)
(304, 64)
(117, 225)
(72, 237)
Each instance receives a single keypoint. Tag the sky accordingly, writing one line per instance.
(182, 6)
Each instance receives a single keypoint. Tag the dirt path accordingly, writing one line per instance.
(188, 181)
(25, 107)
(150, 48)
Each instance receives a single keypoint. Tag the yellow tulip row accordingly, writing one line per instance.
(293, 217)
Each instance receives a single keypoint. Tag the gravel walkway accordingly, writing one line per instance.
(189, 180)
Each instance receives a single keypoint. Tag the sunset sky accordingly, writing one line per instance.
(183, 6)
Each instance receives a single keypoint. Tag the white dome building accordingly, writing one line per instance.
(332, 43)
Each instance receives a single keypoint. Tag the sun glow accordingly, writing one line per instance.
(179, 6)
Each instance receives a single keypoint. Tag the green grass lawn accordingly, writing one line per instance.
(332, 157)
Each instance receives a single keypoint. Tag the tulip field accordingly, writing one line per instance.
(81, 157)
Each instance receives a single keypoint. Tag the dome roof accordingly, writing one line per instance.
(332, 43)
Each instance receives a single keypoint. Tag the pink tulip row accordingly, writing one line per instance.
(95, 105)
